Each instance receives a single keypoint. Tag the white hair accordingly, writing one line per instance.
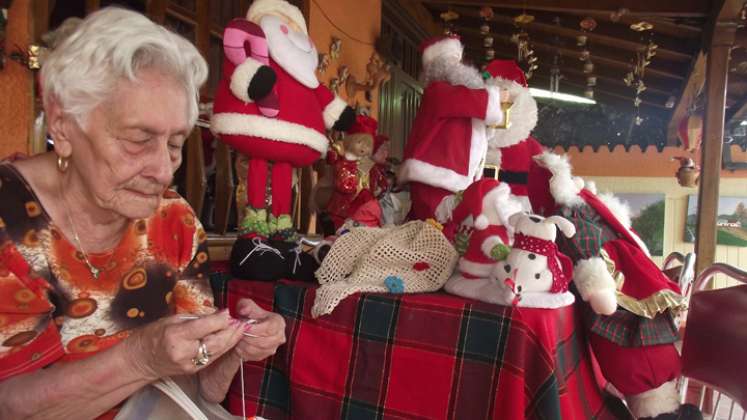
(447, 69)
(114, 44)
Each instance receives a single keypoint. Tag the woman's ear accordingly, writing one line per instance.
(58, 127)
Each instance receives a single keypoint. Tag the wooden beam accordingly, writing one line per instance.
(595, 38)
(717, 68)
(599, 90)
(693, 86)
(659, 8)
(474, 34)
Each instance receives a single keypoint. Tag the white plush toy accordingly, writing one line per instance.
(535, 274)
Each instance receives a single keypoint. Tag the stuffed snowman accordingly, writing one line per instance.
(482, 216)
(535, 274)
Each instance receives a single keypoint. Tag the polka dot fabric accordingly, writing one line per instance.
(547, 248)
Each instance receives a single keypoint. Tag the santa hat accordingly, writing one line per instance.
(507, 70)
(364, 124)
(551, 184)
(261, 8)
(472, 202)
(440, 46)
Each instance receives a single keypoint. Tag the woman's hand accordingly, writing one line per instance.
(268, 332)
(169, 346)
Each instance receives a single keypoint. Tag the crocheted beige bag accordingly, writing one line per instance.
(416, 253)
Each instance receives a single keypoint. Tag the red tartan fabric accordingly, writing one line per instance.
(419, 356)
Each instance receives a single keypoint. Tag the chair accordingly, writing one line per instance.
(683, 274)
(715, 343)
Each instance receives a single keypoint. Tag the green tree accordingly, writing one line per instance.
(650, 227)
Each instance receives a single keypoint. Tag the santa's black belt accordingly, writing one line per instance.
(513, 177)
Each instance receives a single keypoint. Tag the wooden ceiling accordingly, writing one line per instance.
(678, 31)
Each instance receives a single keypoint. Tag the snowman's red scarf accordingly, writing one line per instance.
(558, 263)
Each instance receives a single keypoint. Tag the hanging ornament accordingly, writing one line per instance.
(581, 40)
(486, 12)
(589, 93)
(638, 120)
(585, 54)
(449, 17)
(487, 42)
(588, 67)
(489, 54)
(690, 132)
(591, 81)
(588, 24)
(484, 28)
(615, 16)
(523, 19)
(642, 26)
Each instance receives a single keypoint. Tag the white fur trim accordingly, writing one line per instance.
(653, 402)
(241, 78)
(621, 211)
(481, 222)
(474, 269)
(333, 110)
(522, 117)
(447, 46)
(494, 114)
(420, 171)
(489, 243)
(563, 188)
(437, 176)
(591, 275)
(268, 128)
(546, 300)
(591, 186)
(446, 207)
(260, 8)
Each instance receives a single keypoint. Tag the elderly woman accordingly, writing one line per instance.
(99, 261)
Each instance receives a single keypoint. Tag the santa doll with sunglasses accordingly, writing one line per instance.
(271, 107)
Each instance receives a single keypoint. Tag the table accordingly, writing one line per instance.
(419, 356)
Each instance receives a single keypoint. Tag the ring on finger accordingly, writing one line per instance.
(203, 355)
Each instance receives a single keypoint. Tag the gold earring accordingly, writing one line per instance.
(62, 163)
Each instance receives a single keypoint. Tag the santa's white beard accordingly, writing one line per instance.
(455, 73)
(293, 51)
(523, 116)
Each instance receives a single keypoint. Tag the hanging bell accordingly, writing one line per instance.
(588, 67)
(591, 81)
(487, 42)
(484, 29)
(489, 54)
(589, 93)
(581, 40)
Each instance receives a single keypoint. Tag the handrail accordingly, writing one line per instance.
(673, 256)
(719, 268)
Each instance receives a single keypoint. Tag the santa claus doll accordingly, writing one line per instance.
(446, 149)
(270, 106)
(630, 302)
(510, 149)
(481, 217)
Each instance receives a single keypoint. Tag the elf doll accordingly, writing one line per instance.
(630, 302)
(271, 107)
(352, 187)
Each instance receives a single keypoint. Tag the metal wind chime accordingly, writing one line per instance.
(587, 25)
(634, 78)
(449, 17)
(524, 52)
(486, 13)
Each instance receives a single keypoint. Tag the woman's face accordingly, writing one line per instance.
(131, 144)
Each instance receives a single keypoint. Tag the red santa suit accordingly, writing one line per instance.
(446, 148)
(293, 133)
(511, 149)
(631, 300)
(352, 185)
(485, 208)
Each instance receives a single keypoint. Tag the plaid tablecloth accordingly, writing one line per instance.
(419, 356)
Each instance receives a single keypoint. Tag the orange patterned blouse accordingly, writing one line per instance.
(51, 306)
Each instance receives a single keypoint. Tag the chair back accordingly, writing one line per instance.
(715, 342)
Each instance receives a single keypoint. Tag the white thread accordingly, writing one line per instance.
(262, 248)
